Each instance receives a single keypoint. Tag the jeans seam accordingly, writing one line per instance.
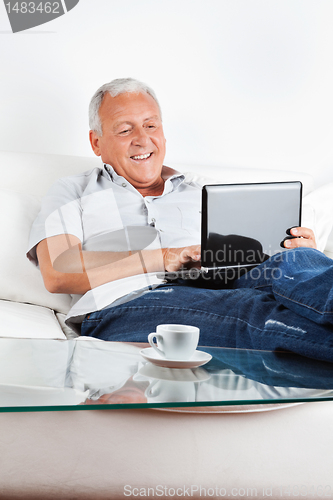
(290, 335)
(195, 311)
(303, 305)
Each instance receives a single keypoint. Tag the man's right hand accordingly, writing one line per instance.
(175, 258)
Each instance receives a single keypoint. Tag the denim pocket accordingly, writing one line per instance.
(90, 322)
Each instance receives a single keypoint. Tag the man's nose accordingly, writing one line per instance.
(140, 138)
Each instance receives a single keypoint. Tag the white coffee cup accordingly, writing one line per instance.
(177, 342)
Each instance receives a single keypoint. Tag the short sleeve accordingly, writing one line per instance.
(60, 213)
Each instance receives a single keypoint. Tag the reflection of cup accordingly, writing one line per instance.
(162, 391)
(177, 342)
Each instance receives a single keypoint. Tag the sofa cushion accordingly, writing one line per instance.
(34, 363)
(28, 321)
(329, 246)
(70, 334)
(20, 280)
(35, 173)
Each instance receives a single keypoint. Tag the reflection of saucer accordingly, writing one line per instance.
(199, 358)
(161, 373)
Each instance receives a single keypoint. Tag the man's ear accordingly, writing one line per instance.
(94, 141)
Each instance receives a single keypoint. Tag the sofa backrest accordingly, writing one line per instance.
(34, 173)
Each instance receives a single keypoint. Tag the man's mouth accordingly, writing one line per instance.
(141, 157)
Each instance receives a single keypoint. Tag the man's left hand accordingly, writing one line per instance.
(303, 237)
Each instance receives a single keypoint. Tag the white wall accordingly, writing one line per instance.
(241, 82)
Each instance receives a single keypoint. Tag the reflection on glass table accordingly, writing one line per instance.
(39, 374)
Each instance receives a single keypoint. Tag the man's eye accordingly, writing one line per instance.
(124, 131)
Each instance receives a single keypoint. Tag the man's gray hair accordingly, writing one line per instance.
(116, 87)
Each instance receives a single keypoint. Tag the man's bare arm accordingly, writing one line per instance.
(66, 268)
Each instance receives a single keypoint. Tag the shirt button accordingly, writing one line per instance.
(124, 185)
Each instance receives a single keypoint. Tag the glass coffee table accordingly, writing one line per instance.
(86, 374)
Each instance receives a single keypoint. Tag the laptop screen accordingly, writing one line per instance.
(242, 224)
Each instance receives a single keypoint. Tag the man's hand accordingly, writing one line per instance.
(304, 237)
(175, 258)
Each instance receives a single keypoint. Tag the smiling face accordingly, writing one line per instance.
(133, 141)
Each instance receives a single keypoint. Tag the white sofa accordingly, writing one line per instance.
(95, 454)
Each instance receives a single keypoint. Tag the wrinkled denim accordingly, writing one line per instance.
(285, 303)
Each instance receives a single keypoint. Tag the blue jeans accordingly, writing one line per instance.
(285, 303)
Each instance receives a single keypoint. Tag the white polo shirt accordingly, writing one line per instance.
(106, 213)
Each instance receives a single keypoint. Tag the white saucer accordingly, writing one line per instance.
(199, 358)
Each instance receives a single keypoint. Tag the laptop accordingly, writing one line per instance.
(242, 225)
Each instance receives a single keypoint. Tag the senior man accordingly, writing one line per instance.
(105, 236)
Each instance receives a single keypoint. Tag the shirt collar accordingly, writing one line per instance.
(172, 177)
